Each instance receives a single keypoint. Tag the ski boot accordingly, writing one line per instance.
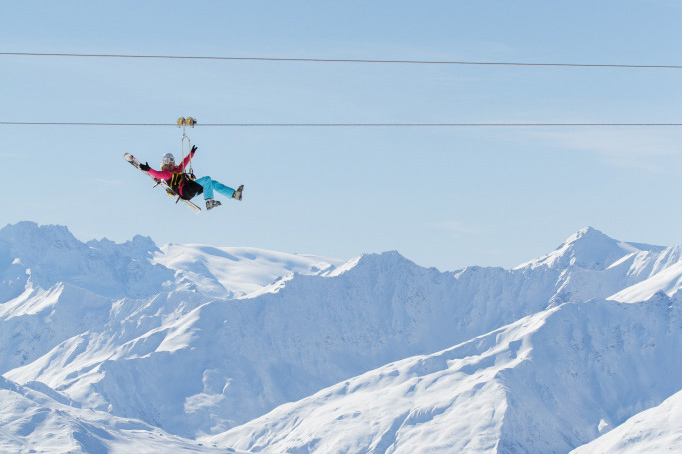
(238, 193)
(211, 203)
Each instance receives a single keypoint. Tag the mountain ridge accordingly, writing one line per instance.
(232, 334)
(447, 378)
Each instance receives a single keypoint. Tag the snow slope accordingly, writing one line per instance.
(546, 383)
(657, 429)
(667, 281)
(199, 340)
(36, 419)
(231, 272)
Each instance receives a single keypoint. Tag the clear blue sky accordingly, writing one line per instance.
(443, 197)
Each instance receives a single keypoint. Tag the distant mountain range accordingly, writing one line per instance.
(131, 347)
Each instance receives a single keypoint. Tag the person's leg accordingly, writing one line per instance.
(224, 190)
(207, 184)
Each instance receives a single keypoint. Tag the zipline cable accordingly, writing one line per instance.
(339, 60)
(352, 125)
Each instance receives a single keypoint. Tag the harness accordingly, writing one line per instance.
(178, 179)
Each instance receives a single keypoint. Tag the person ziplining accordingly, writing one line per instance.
(180, 182)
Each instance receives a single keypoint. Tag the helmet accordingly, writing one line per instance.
(168, 158)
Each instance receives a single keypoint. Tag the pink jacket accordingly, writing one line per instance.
(168, 174)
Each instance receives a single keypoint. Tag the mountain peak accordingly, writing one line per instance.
(588, 234)
(390, 260)
(34, 237)
(49, 254)
(588, 248)
(589, 230)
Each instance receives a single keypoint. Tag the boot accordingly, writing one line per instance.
(211, 203)
(238, 193)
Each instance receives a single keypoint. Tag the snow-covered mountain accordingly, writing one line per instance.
(35, 418)
(497, 389)
(263, 351)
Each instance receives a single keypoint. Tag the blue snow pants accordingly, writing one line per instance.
(210, 185)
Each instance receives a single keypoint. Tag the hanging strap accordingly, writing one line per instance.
(183, 122)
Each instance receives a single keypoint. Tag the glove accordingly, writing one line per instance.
(194, 149)
(145, 167)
